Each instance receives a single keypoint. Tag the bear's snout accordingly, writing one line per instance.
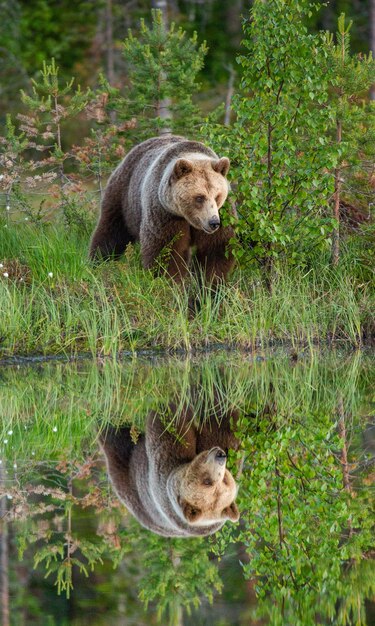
(217, 455)
(214, 223)
(220, 457)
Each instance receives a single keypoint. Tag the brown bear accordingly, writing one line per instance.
(167, 193)
(174, 485)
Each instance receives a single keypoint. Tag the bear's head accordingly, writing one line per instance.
(206, 490)
(197, 190)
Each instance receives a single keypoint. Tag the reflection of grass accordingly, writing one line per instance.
(54, 301)
(52, 408)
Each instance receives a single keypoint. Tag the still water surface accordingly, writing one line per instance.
(296, 436)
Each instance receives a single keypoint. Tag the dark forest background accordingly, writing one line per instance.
(85, 38)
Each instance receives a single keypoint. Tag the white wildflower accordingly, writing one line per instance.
(50, 274)
(5, 274)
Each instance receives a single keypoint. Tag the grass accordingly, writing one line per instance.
(53, 301)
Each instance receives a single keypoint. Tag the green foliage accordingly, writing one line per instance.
(278, 143)
(162, 69)
(48, 92)
(51, 28)
(31, 32)
(48, 524)
(63, 31)
(360, 14)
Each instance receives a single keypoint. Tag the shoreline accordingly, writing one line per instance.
(294, 350)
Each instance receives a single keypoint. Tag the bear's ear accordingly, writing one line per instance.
(221, 166)
(181, 168)
(231, 512)
(191, 513)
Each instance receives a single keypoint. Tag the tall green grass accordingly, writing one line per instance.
(54, 301)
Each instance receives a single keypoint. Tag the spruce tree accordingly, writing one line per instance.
(162, 68)
(34, 155)
(50, 103)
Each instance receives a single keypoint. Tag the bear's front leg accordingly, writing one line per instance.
(214, 256)
(170, 249)
(172, 433)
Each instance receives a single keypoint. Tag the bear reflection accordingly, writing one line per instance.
(176, 485)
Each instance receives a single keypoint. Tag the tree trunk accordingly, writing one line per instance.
(163, 105)
(233, 21)
(109, 46)
(344, 449)
(229, 97)
(336, 205)
(109, 42)
(344, 454)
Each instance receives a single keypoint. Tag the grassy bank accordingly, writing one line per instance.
(53, 301)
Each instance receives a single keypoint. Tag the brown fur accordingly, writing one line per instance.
(176, 488)
(167, 192)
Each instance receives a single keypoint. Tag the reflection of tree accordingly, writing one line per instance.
(303, 521)
(178, 574)
(46, 511)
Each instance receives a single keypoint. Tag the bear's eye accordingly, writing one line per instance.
(225, 480)
(200, 199)
(207, 481)
(218, 199)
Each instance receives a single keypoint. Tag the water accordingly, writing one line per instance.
(302, 551)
